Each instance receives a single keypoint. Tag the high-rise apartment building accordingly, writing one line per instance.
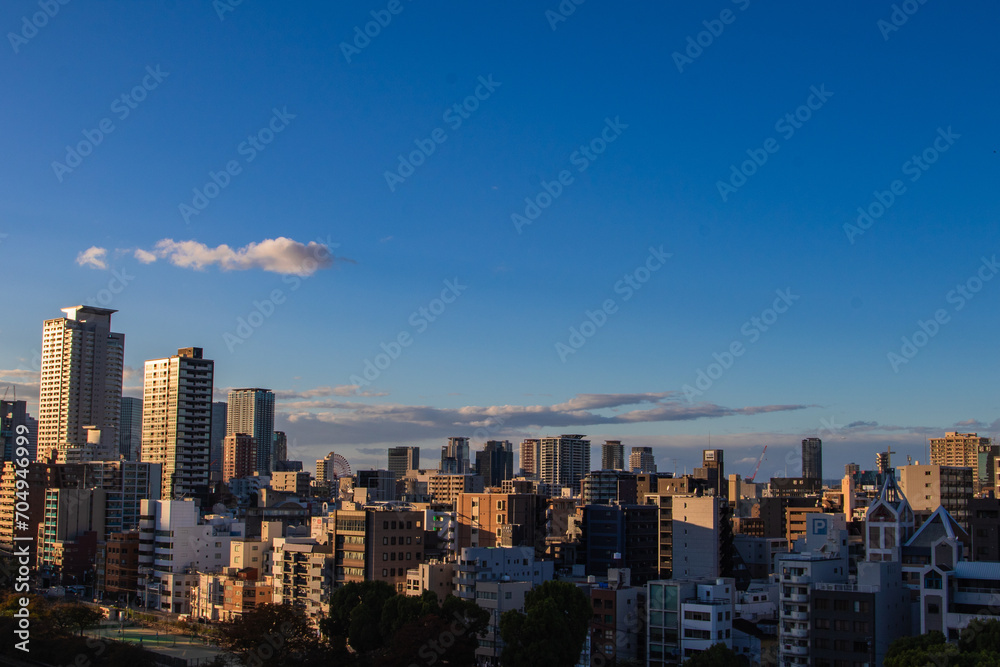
(612, 455)
(564, 460)
(642, 460)
(130, 428)
(81, 386)
(455, 457)
(495, 462)
(177, 420)
(239, 456)
(220, 415)
(812, 459)
(967, 450)
(403, 459)
(251, 411)
(529, 457)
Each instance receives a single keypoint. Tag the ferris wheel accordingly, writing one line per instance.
(340, 466)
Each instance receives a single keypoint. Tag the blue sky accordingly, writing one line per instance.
(491, 358)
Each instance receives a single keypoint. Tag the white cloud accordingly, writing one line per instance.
(144, 256)
(280, 255)
(93, 257)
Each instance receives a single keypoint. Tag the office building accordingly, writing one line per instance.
(495, 463)
(239, 457)
(687, 616)
(500, 519)
(374, 486)
(130, 429)
(602, 487)
(620, 534)
(177, 420)
(81, 386)
(72, 524)
(125, 484)
(279, 449)
(251, 411)
(812, 459)
(528, 458)
(928, 487)
(967, 450)
(220, 410)
(403, 459)
(455, 457)
(712, 470)
(641, 460)
(612, 455)
(564, 460)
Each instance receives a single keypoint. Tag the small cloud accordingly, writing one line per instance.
(145, 257)
(280, 255)
(860, 424)
(386, 239)
(93, 258)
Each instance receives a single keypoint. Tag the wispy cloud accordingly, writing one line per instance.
(363, 423)
(280, 255)
(319, 392)
(93, 258)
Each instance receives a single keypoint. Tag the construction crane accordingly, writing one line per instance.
(757, 467)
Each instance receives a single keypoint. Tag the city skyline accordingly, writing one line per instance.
(780, 239)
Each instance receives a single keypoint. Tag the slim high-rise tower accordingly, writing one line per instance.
(219, 416)
(177, 420)
(529, 457)
(81, 386)
(279, 449)
(455, 456)
(130, 428)
(812, 459)
(612, 455)
(251, 411)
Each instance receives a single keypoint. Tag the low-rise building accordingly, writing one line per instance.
(438, 578)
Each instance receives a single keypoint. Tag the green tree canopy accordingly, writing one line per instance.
(552, 629)
(277, 634)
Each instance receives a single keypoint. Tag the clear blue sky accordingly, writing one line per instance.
(820, 369)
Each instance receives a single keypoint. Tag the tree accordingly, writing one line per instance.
(356, 614)
(552, 629)
(981, 635)
(277, 634)
(717, 655)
